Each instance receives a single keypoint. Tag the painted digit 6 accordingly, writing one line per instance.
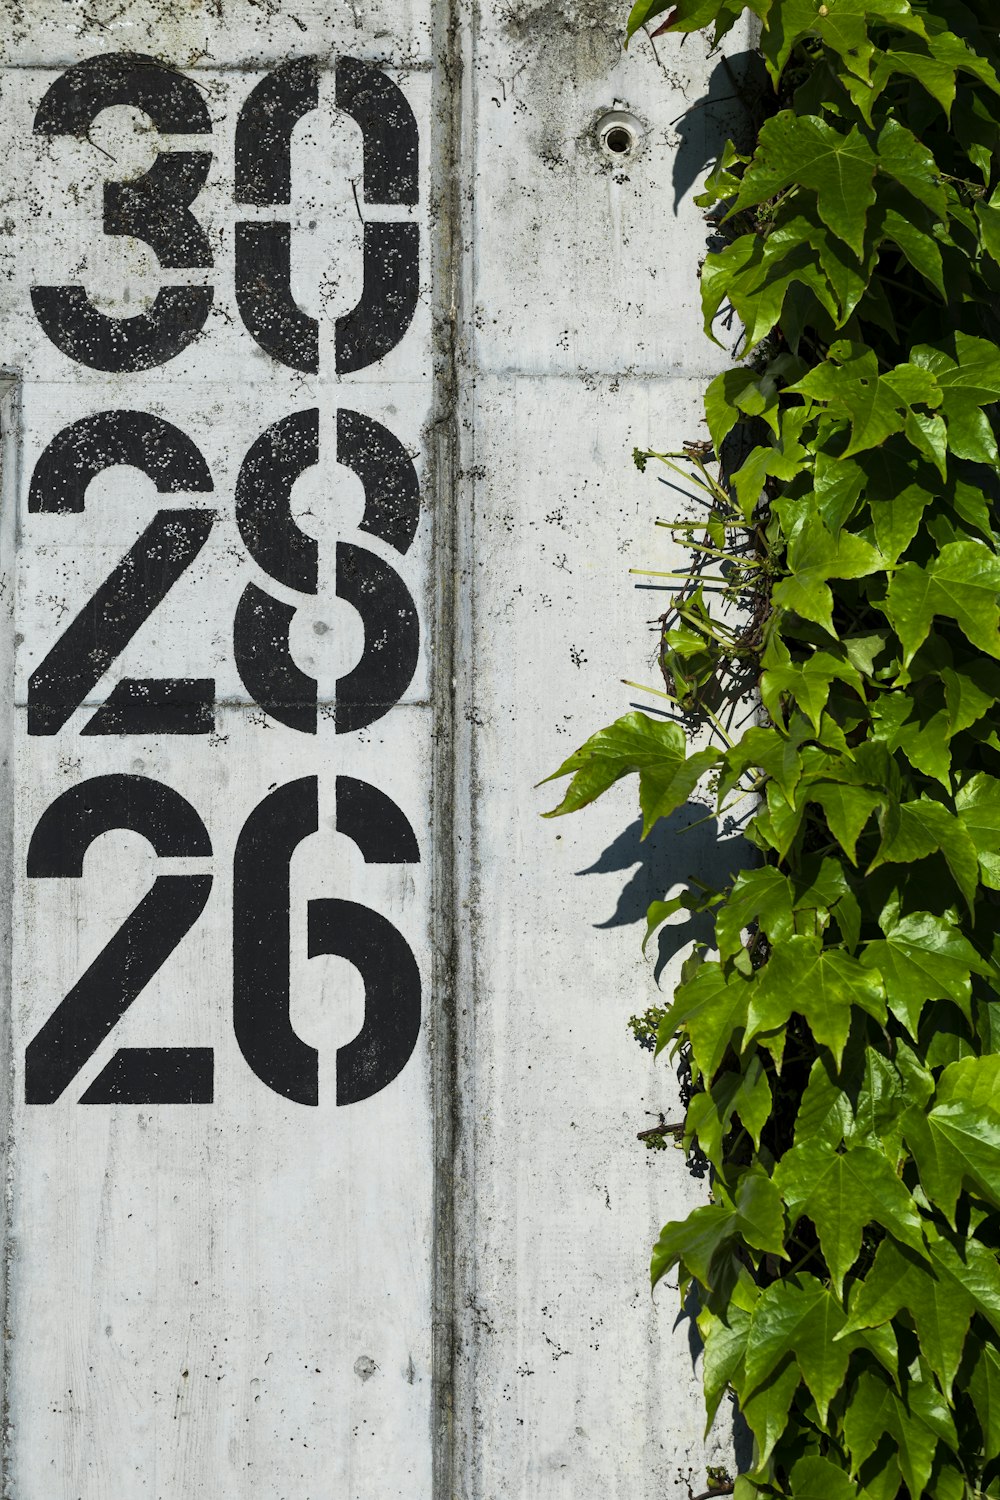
(261, 931)
(155, 208)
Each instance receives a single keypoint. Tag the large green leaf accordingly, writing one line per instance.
(978, 807)
(656, 749)
(907, 161)
(819, 1479)
(954, 1143)
(805, 151)
(984, 1388)
(815, 556)
(765, 896)
(712, 1009)
(768, 1409)
(916, 1422)
(961, 584)
(941, 1308)
(800, 1316)
(819, 983)
(925, 827)
(710, 1114)
(756, 1216)
(842, 1194)
(923, 958)
(725, 1342)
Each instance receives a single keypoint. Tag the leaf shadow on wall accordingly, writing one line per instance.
(671, 854)
(736, 86)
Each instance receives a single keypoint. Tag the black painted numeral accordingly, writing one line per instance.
(140, 947)
(105, 625)
(155, 208)
(261, 942)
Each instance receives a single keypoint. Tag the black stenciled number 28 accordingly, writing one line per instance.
(157, 209)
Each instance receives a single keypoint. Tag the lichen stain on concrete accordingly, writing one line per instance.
(364, 1367)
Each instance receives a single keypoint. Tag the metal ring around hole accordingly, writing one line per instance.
(618, 134)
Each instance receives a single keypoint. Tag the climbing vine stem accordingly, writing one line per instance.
(842, 1031)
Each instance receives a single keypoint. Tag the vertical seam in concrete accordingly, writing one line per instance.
(443, 434)
(10, 462)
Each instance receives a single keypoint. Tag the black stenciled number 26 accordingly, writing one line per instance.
(261, 935)
(156, 208)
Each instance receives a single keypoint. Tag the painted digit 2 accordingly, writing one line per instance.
(156, 208)
(261, 934)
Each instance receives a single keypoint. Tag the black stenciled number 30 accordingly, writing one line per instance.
(157, 209)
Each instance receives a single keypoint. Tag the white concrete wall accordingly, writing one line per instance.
(440, 1290)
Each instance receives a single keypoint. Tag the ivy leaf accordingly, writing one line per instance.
(920, 249)
(924, 828)
(842, 1194)
(970, 693)
(768, 1409)
(801, 1317)
(978, 805)
(725, 1344)
(756, 1216)
(972, 1080)
(951, 1144)
(654, 748)
(875, 405)
(973, 1267)
(819, 1479)
(876, 1409)
(738, 393)
(847, 809)
(815, 555)
(820, 984)
(907, 161)
(825, 1115)
(923, 958)
(882, 1097)
(807, 152)
(940, 1307)
(764, 896)
(711, 1008)
(984, 1388)
(710, 1114)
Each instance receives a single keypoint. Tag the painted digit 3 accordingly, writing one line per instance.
(262, 628)
(156, 208)
(261, 934)
(391, 253)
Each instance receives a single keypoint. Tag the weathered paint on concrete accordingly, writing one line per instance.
(438, 1289)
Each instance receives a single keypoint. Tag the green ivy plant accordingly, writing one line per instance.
(843, 1032)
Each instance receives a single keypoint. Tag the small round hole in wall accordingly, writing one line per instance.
(618, 134)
